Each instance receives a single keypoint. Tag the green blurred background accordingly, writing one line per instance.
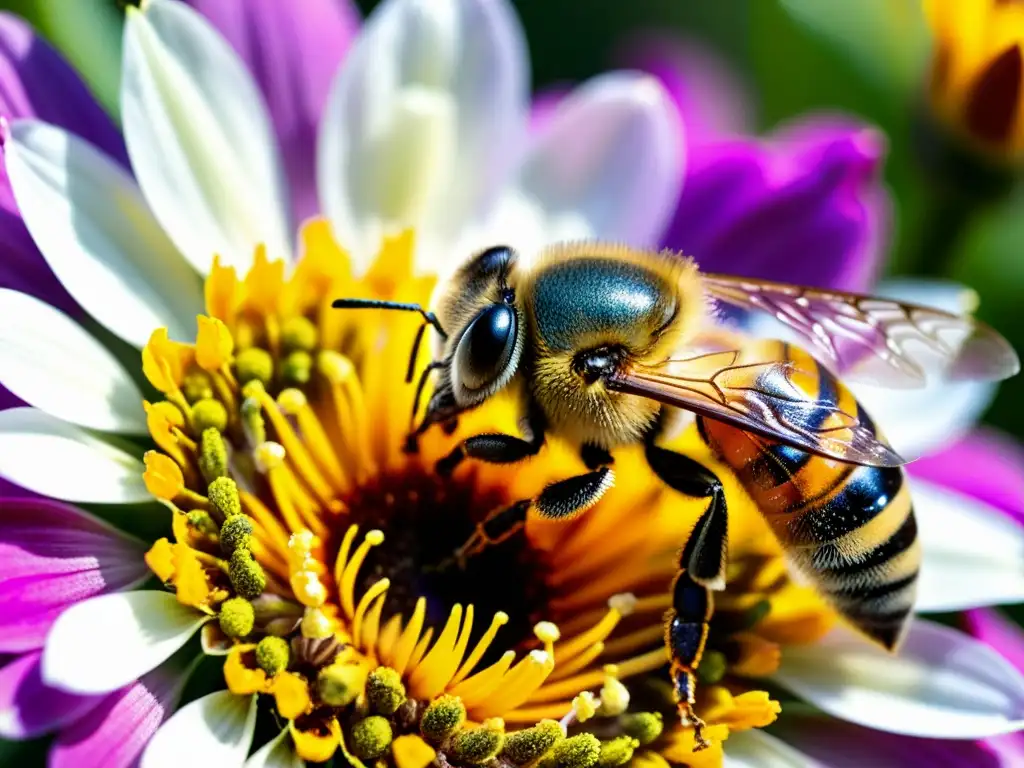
(864, 57)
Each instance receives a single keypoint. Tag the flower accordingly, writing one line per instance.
(306, 546)
(976, 72)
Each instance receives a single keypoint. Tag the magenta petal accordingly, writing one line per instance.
(53, 555)
(293, 50)
(805, 207)
(115, 732)
(29, 708)
(36, 82)
(989, 626)
(985, 464)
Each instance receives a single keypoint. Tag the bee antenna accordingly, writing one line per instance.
(415, 353)
(430, 317)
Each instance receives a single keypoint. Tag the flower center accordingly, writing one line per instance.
(321, 550)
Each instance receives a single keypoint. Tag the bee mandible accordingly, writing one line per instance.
(608, 343)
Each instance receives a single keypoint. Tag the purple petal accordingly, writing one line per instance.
(115, 732)
(1009, 749)
(710, 99)
(989, 626)
(293, 49)
(985, 464)
(804, 207)
(36, 82)
(51, 556)
(29, 708)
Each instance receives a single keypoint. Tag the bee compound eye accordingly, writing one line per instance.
(486, 348)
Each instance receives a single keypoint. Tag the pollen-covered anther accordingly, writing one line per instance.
(273, 654)
(585, 706)
(316, 625)
(297, 367)
(614, 695)
(385, 691)
(209, 413)
(299, 333)
(371, 737)
(252, 421)
(247, 576)
(339, 684)
(236, 617)
(580, 751)
(223, 495)
(196, 386)
(254, 364)
(476, 746)
(529, 744)
(236, 533)
(616, 752)
(442, 718)
(213, 455)
(200, 520)
(645, 727)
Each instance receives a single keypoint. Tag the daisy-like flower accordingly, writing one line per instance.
(303, 543)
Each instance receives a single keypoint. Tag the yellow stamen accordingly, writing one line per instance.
(618, 606)
(521, 681)
(429, 677)
(500, 619)
(294, 403)
(479, 686)
(346, 587)
(376, 590)
(221, 292)
(388, 638)
(421, 648)
(407, 642)
(593, 678)
(576, 663)
(371, 625)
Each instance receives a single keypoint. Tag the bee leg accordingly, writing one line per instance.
(561, 500)
(495, 448)
(701, 569)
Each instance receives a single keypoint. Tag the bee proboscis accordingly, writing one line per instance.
(607, 343)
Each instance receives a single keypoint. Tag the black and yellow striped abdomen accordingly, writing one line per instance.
(850, 528)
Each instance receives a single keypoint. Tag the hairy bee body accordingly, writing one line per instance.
(850, 527)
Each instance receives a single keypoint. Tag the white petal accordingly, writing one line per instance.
(54, 458)
(609, 165)
(49, 361)
(942, 684)
(200, 139)
(215, 730)
(424, 119)
(106, 642)
(757, 749)
(922, 420)
(97, 234)
(277, 753)
(973, 555)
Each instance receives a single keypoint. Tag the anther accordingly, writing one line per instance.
(273, 655)
(246, 574)
(371, 737)
(236, 533)
(580, 751)
(223, 495)
(297, 367)
(315, 625)
(624, 603)
(252, 421)
(254, 364)
(339, 684)
(209, 413)
(616, 752)
(196, 386)
(213, 455)
(712, 667)
(645, 727)
(201, 521)
(308, 588)
(584, 706)
(292, 401)
(269, 455)
(614, 695)
(529, 744)
(384, 690)
(442, 718)
(298, 333)
(236, 617)
(547, 632)
(476, 746)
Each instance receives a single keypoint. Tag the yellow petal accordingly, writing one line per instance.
(291, 694)
(316, 747)
(160, 559)
(264, 283)
(190, 581)
(162, 477)
(165, 362)
(214, 343)
(241, 678)
(222, 292)
(411, 751)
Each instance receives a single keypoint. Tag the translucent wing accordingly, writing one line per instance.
(878, 341)
(769, 388)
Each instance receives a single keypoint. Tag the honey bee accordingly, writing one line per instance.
(608, 343)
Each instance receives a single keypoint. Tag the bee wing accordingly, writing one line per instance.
(874, 340)
(769, 388)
